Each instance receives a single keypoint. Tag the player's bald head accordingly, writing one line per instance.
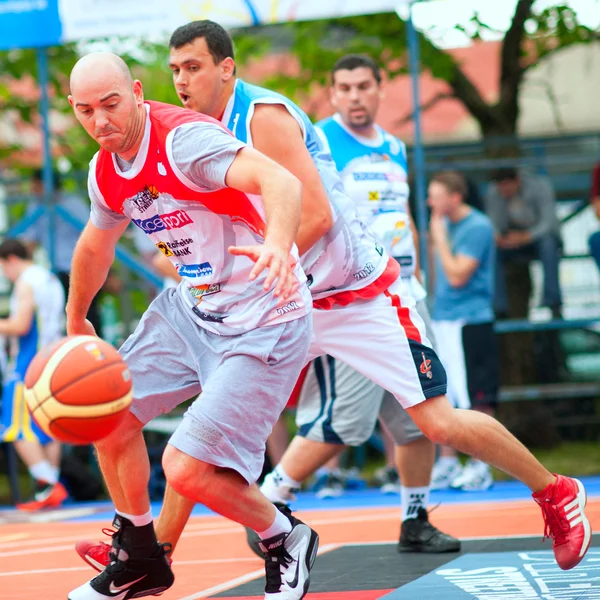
(108, 103)
(98, 67)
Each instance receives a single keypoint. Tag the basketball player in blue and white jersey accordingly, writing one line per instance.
(36, 319)
(374, 170)
(361, 305)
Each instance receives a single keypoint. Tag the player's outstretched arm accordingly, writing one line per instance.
(254, 173)
(277, 134)
(92, 259)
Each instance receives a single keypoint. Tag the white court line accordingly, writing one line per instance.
(246, 578)
(208, 561)
(46, 548)
(13, 537)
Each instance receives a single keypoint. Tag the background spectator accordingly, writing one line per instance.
(65, 236)
(595, 201)
(463, 316)
(522, 209)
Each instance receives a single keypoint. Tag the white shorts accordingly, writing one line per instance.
(338, 405)
(245, 381)
(470, 355)
(384, 339)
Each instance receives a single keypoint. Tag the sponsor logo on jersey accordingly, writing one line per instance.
(364, 272)
(373, 195)
(193, 271)
(168, 221)
(143, 200)
(199, 291)
(176, 247)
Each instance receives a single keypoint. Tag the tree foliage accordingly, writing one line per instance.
(531, 37)
(317, 45)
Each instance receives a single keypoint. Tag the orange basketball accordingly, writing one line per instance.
(78, 389)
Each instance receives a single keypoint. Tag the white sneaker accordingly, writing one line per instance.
(475, 477)
(333, 487)
(289, 557)
(444, 474)
(388, 480)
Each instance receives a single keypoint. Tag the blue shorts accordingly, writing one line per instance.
(17, 422)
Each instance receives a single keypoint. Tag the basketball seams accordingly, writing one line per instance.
(45, 377)
(78, 423)
(80, 378)
(87, 411)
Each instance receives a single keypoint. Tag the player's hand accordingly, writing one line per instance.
(437, 229)
(78, 327)
(280, 265)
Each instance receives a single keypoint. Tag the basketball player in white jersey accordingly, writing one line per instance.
(361, 303)
(36, 319)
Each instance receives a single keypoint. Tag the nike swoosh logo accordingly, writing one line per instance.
(117, 589)
(294, 581)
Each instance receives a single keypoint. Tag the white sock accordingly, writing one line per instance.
(278, 486)
(281, 524)
(479, 464)
(447, 461)
(137, 520)
(413, 498)
(44, 471)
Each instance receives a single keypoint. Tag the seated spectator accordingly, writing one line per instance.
(523, 212)
(64, 236)
(595, 201)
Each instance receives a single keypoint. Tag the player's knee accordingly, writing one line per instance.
(186, 475)
(435, 418)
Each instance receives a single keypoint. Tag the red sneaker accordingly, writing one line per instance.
(95, 554)
(563, 505)
(47, 496)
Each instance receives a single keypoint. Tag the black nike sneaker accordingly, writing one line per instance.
(252, 537)
(419, 535)
(138, 566)
(289, 558)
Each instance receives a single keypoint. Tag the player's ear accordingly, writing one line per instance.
(227, 68)
(332, 97)
(138, 92)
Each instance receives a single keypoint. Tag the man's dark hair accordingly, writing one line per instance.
(453, 181)
(355, 61)
(217, 39)
(505, 174)
(13, 247)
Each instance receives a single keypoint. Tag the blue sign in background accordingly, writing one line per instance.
(29, 24)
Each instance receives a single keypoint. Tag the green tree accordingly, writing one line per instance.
(149, 64)
(532, 36)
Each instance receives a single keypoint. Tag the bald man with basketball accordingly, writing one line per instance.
(238, 326)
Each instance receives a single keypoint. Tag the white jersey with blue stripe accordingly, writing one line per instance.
(348, 257)
(47, 323)
(375, 176)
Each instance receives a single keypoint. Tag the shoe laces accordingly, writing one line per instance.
(555, 526)
(275, 560)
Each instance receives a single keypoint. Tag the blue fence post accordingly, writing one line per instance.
(42, 70)
(405, 12)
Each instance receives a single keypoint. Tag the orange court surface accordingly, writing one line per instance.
(357, 559)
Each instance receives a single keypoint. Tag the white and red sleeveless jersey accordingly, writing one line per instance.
(175, 192)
